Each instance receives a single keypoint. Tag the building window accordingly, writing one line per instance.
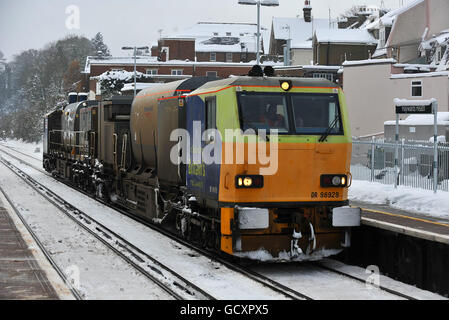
(176, 72)
(152, 71)
(211, 118)
(328, 76)
(382, 37)
(98, 88)
(228, 34)
(416, 88)
(228, 56)
(213, 56)
(215, 33)
(438, 55)
(211, 73)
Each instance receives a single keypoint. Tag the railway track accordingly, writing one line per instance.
(22, 153)
(359, 279)
(167, 279)
(235, 266)
(265, 281)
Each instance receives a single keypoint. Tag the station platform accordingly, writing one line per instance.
(25, 274)
(404, 222)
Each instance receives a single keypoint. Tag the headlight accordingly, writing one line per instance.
(248, 181)
(286, 85)
(333, 180)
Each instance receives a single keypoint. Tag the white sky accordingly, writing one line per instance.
(30, 24)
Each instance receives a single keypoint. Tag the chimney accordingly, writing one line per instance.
(307, 11)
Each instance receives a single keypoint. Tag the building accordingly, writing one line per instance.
(371, 86)
(299, 31)
(357, 16)
(331, 73)
(334, 46)
(213, 42)
(158, 71)
(401, 31)
(419, 127)
(436, 50)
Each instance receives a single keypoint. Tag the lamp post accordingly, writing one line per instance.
(287, 47)
(135, 63)
(267, 3)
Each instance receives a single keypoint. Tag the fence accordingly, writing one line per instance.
(375, 161)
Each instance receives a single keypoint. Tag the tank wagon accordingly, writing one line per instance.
(198, 155)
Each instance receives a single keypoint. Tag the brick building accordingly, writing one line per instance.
(158, 71)
(213, 42)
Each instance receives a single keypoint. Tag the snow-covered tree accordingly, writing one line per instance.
(39, 80)
(112, 82)
(100, 47)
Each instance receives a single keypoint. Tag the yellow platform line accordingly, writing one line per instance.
(406, 217)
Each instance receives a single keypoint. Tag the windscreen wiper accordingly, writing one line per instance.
(329, 129)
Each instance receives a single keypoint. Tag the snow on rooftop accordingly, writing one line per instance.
(441, 38)
(421, 120)
(420, 75)
(141, 60)
(389, 18)
(300, 31)
(368, 61)
(224, 37)
(345, 36)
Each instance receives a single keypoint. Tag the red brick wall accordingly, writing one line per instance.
(221, 57)
(179, 49)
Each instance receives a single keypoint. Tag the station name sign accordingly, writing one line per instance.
(423, 109)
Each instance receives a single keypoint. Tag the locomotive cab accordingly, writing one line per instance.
(281, 185)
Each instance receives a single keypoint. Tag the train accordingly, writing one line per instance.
(248, 165)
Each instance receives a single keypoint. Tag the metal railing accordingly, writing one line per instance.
(374, 160)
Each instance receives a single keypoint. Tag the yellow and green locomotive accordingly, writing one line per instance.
(248, 165)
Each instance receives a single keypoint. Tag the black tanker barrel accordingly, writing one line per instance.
(144, 117)
(143, 122)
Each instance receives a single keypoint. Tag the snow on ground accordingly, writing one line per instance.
(220, 281)
(403, 198)
(101, 274)
(32, 149)
(223, 282)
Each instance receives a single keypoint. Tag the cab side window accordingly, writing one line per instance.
(211, 117)
(211, 113)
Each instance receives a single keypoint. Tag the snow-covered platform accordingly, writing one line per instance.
(404, 222)
(24, 272)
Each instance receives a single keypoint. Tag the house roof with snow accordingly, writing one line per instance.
(300, 31)
(224, 37)
(118, 61)
(152, 61)
(389, 18)
(352, 36)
